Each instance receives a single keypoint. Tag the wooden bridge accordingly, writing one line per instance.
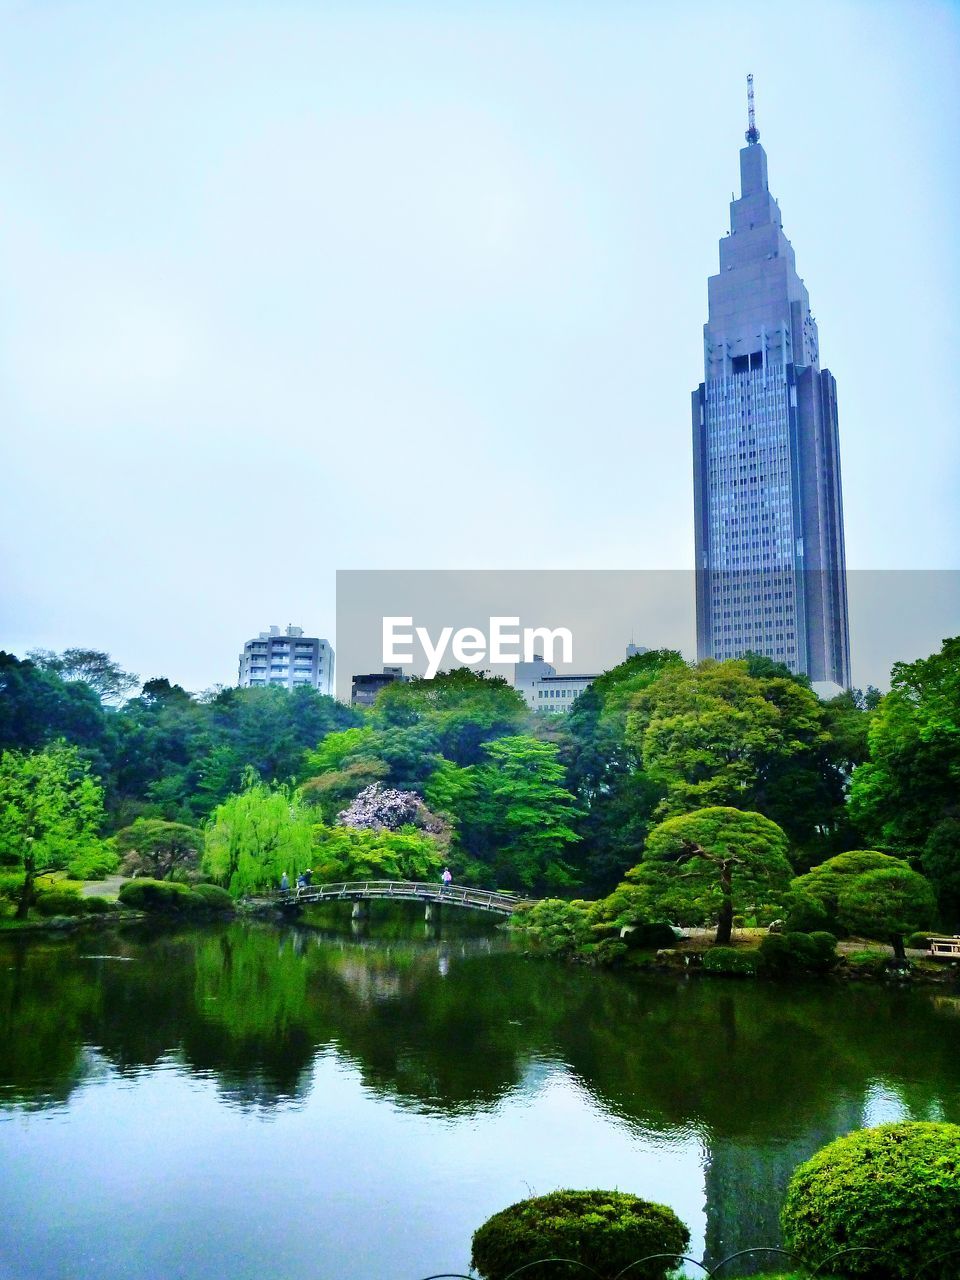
(360, 892)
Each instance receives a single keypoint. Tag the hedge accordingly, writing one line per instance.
(730, 960)
(784, 954)
(213, 897)
(893, 1192)
(156, 895)
(60, 904)
(605, 1230)
(172, 897)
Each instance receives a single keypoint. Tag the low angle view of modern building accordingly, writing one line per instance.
(288, 660)
(770, 567)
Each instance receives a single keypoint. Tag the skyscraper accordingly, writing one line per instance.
(770, 568)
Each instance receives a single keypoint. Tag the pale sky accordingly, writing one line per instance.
(293, 287)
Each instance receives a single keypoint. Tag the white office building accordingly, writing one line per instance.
(287, 660)
(543, 689)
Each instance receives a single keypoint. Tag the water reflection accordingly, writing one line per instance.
(453, 1027)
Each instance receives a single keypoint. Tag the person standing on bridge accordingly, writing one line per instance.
(284, 883)
(445, 878)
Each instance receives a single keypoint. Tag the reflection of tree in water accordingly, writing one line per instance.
(46, 999)
(762, 1074)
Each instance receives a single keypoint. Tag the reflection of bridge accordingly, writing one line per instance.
(360, 892)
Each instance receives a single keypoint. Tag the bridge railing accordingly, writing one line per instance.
(406, 890)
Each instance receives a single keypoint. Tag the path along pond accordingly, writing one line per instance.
(254, 1102)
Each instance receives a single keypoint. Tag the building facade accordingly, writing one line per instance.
(287, 660)
(543, 689)
(770, 567)
(364, 688)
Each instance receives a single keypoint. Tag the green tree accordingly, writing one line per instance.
(346, 853)
(886, 904)
(940, 861)
(715, 734)
(911, 782)
(604, 770)
(37, 707)
(526, 812)
(512, 814)
(51, 809)
(403, 756)
(256, 835)
(462, 709)
(713, 862)
(160, 848)
(332, 792)
(824, 882)
(91, 667)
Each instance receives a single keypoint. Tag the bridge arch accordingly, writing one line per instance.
(492, 900)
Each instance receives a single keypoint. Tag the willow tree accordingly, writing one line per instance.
(256, 835)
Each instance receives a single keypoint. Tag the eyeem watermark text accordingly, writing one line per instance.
(504, 642)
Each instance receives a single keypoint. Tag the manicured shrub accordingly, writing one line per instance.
(650, 937)
(605, 1230)
(212, 898)
(554, 927)
(805, 913)
(919, 941)
(59, 904)
(786, 954)
(731, 961)
(156, 895)
(825, 955)
(96, 906)
(894, 1190)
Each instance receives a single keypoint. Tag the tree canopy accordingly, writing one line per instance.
(887, 903)
(51, 810)
(911, 782)
(545, 804)
(712, 863)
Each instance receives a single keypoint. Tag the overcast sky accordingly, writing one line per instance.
(293, 287)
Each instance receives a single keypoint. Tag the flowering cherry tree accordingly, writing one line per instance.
(380, 808)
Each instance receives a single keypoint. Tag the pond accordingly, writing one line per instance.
(248, 1102)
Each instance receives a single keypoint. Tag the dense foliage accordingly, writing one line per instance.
(50, 811)
(767, 788)
(170, 897)
(604, 1230)
(711, 863)
(156, 848)
(887, 904)
(886, 1200)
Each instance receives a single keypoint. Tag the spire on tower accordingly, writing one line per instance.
(753, 133)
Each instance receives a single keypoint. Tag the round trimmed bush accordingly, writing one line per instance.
(895, 1189)
(605, 1230)
(784, 954)
(212, 898)
(155, 895)
(97, 906)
